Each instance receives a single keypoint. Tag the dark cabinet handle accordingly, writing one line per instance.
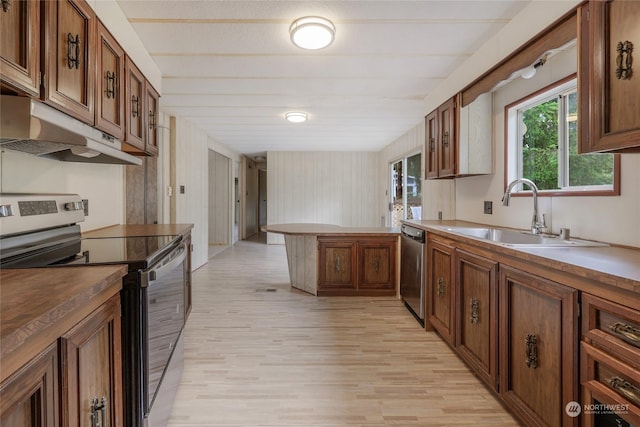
(152, 120)
(111, 84)
(445, 139)
(626, 331)
(625, 388)
(99, 412)
(440, 287)
(338, 265)
(6, 5)
(475, 308)
(135, 106)
(624, 60)
(531, 342)
(432, 145)
(376, 264)
(73, 51)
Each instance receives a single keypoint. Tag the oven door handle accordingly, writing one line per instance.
(175, 258)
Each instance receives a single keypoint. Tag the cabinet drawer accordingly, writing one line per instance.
(612, 383)
(613, 327)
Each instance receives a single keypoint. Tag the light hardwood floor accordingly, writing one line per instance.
(259, 353)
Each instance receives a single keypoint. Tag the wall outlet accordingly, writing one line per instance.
(440, 215)
(182, 189)
(488, 207)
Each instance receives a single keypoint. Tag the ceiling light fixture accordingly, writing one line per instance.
(312, 32)
(296, 116)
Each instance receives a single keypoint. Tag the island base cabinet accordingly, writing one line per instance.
(91, 369)
(29, 397)
(377, 264)
(538, 348)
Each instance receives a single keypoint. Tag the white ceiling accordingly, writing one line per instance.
(230, 68)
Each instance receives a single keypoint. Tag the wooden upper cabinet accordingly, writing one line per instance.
(441, 140)
(134, 108)
(69, 57)
(141, 112)
(609, 79)
(109, 87)
(153, 110)
(20, 46)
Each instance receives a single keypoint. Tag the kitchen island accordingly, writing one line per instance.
(326, 260)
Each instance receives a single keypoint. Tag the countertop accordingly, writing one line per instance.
(612, 265)
(134, 230)
(328, 230)
(38, 305)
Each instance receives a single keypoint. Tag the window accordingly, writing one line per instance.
(406, 189)
(542, 134)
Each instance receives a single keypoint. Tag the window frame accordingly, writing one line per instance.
(508, 150)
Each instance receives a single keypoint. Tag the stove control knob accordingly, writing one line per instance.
(5, 210)
(73, 206)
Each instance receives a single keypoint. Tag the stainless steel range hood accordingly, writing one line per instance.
(30, 126)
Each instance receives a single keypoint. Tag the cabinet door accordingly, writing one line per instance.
(538, 348)
(109, 91)
(30, 396)
(377, 259)
(337, 264)
(152, 108)
(91, 372)
(20, 46)
(609, 32)
(441, 290)
(134, 109)
(431, 154)
(476, 315)
(70, 57)
(447, 141)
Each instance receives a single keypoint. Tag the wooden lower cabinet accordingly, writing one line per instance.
(538, 348)
(440, 289)
(610, 363)
(476, 314)
(91, 369)
(376, 264)
(30, 396)
(364, 266)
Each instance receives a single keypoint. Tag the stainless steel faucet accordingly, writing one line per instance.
(537, 226)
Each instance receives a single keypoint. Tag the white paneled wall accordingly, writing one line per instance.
(191, 165)
(339, 188)
(101, 184)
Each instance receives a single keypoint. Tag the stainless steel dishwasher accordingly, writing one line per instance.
(412, 274)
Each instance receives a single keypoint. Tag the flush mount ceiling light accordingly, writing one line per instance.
(296, 116)
(312, 32)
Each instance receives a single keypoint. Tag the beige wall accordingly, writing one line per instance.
(337, 188)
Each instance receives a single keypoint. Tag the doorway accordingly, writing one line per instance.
(220, 202)
(406, 189)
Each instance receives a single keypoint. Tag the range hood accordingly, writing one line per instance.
(30, 126)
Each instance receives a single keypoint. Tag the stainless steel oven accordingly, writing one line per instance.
(41, 230)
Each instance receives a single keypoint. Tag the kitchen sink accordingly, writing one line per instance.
(518, 238)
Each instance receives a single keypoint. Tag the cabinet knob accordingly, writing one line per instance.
(624, 60)
(625, 388)
(135, 106)
(627, 331)
(110, 89)
(338, 265)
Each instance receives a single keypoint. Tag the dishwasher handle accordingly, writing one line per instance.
(413, 233)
